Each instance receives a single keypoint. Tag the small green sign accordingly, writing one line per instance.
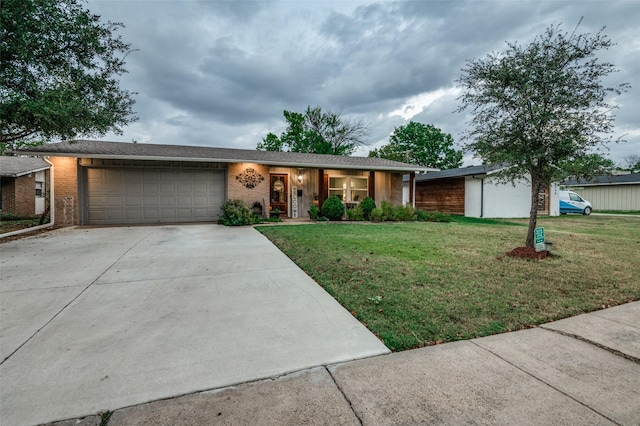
(538, 235)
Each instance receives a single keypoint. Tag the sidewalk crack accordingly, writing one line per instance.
(594, 343)
(344, 395)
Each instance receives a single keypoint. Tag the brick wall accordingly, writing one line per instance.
(236, 190)
(19, 195)
(65, 188)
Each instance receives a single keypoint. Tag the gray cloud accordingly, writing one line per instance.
(221, 72)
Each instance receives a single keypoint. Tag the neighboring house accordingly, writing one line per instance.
(23, 184)
(100, 183)
(473, 191)
(621, 192)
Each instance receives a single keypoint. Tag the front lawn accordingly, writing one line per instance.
(417, 284)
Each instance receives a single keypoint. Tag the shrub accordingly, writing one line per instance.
(355, 213)
(433, 216)
(367, 205)
(236, 213)
(378, 215)
(333, 209)
(314, 212)
(404, 213)
(389, 211)
(10, 216)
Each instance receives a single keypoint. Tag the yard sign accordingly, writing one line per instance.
(538, 234)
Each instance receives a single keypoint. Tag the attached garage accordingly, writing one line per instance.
(151, 194)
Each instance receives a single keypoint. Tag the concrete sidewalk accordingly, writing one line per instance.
(582, 370)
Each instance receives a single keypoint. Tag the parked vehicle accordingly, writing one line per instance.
(570, 202)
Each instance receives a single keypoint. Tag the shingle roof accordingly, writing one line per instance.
(18, 166)
(461, 172)
(143, 151)
(605, 180)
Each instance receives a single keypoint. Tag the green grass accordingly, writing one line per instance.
(632, 212)
(417, 284)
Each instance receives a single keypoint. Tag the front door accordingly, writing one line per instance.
(279, 193)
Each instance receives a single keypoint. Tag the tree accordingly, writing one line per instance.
(421, 144)
(59, 73)
(317, 132)
(537, 106)
(632, 161)
(587, 166)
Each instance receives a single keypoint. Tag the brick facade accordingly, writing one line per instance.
(18, 195)
(238, 191)
(65, 186)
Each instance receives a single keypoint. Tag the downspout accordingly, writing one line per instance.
(52, 210)
(482, 197)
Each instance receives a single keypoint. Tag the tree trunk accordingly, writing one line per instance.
(536, 184)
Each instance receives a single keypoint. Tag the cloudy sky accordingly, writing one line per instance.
(221, 72)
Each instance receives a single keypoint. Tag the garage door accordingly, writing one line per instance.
(130, 196)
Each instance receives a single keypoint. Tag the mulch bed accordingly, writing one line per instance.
(527, 253)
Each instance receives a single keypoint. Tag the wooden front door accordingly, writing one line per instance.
(279, 193)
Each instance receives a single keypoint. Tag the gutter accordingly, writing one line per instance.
(52, 210)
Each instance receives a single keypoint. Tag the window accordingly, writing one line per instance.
(575, 197)
(39, 189)
(349, 189)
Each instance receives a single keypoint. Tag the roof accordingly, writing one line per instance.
(144, 151)
(19, 166)
(461, 172)
(627, 179)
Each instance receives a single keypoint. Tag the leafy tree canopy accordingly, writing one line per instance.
(59, 73)
(632, 162)
(539, 106)
(318, 132)
(421, 144)
(588, 166)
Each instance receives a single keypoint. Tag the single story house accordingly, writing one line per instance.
(610, 192)
(474, 191)
(23, 184)
(99, 183)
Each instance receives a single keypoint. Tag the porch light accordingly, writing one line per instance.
(299, 176)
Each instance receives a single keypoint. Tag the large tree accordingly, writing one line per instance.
(317, 131)
(59, 73)
(535, 107)
(421, 144)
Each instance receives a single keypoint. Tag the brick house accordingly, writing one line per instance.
(99, 183)
(23, 185)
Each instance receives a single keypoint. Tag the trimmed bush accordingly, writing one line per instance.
(314, 212)
(378, 215)
(333, 209)
(236, 213)
(433, 216)
(404, 213)
(367, 205)
(355, 213)
(389, 210)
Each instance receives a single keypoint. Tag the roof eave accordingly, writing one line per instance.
(235, 160)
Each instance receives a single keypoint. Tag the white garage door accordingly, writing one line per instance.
(130, 196)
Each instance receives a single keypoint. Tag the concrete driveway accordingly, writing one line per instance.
(103, 318)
